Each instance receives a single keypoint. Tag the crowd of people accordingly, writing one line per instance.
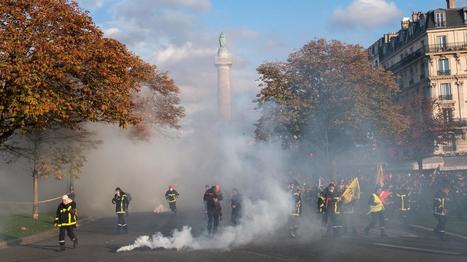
(394, 197)
(339, 204)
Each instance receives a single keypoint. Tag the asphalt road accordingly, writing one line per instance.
(99, 242)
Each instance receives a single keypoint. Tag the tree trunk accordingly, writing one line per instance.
(328, 160)
(35, 192)
(420, 164)
(35, 180)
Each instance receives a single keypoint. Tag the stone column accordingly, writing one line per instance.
(223, 64)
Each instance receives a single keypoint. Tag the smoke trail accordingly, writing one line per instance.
(261, 218)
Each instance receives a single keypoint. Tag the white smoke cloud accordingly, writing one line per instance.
(262, 219)
(174, 54)
(366, 14)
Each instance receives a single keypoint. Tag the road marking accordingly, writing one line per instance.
(447, 233)
(435, 251)
(276, 257)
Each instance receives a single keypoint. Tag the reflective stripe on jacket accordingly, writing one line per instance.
(121, 203)
(66, 215)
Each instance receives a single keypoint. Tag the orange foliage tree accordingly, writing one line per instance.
(58, 70)
(327, 97)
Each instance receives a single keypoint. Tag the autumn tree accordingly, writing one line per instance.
(157, 106)
(429, 126)
(56, 153)
(327, 97)
(58, 70)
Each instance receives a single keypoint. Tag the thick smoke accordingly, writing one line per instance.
(263, 218)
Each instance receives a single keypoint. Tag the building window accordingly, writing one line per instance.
(443, 67)
(441, 43)
(447, 115)
(445, 92)
(450, 145)
(465, 15)
(440, 19)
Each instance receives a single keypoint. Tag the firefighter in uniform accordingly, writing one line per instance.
(329, 207)
(213, 196)
(171, 196)
(376, 212)
(440, 211)
(65, 220)
(236, 205)
(296, 194)
(121, 202)
(403, 199)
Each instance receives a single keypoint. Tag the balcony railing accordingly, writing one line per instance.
(409, 58)
(444, 72)
(445, 97)
(448, 47)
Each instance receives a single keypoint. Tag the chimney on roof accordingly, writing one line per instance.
(415, 16)
(405, 23)
(451, 4)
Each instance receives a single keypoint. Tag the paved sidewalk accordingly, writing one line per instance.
(39, 236)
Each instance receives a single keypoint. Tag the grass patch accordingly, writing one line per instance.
(455, 224)
(17, 226)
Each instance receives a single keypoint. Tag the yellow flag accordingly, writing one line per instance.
(352, 192)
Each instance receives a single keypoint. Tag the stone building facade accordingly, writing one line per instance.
(429, 57)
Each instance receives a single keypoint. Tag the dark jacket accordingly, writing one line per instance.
(121, 203)
(236, 202)
(66, 215)
(213, 199)
(171, 196)
(328, 202)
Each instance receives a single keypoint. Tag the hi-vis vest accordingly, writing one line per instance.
(377, 205)
(66, 215)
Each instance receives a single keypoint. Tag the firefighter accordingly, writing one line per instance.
(213, 196)
(65, 220)
(376, 212)
(121, 202)
(329, 207)
(296, 194)
(236, 205)
(322, 205)
(297, 198)
(403, 203)
(440, 211)
(171, 195)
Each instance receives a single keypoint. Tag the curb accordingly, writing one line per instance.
(39, 236)
(447, 233)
